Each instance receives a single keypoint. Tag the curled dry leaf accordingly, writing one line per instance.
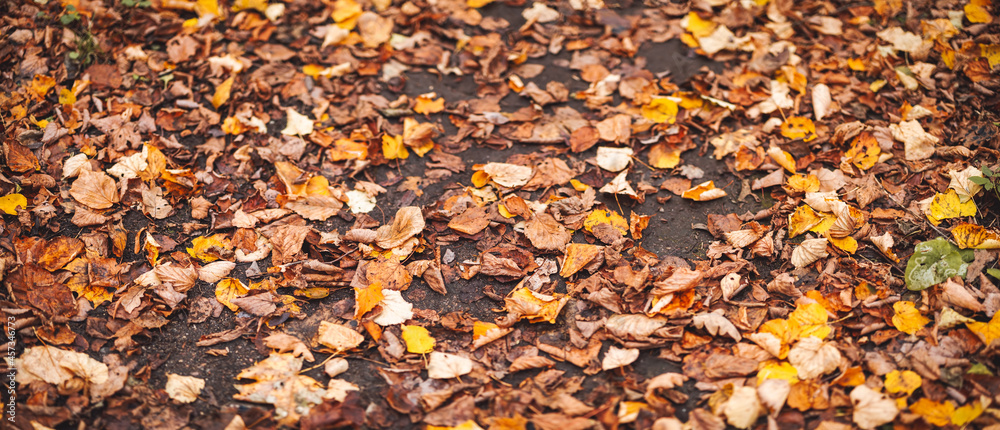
(288, 343)
(183, 389)
(716, 323)
(731, 285)
(808, 252)
(918, 144)
(884, 243)
(742, 238)
(395, 309)
(703, 192)
(408, 222)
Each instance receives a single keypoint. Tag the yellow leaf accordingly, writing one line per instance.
(367, 298)
(66, 97)
(864, 152)
(426, 104)
(907, 318)
(258, 5)
(605, 216)
(948, 56)
(902, 382)
(318, 186)
(856, 64)
(987, 332)
(803, 183)
(579, 186)
(990, 52)
(780, 329)
(966, 414)
(207, 7)
(10, 203)
(660, 110)
(802, 220)
(697, 26)
(809, 320)
(949, 205)
(978, 11)
(480, 179)
(877, 85)
(346, 13)
(578, 255)
(40, 86)
(228, 289)
(974, 236)
(209, 248)
(846, 243)
(18, 112)
(703, 192)
(798, 127)
(476, 4)
(773, 369)
(938, 414)
(418, 339)
(393, 148)
(688, 99)
(784, 159)
(222, 92)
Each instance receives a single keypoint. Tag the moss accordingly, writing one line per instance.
(933, 262)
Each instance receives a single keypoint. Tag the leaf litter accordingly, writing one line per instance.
(283, 171)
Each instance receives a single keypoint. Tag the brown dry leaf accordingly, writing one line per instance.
(316, 208)
(508, 175)
(56, 366)
(470, 222)
(716, 323)
(546, 233)
(442, 365)
(408, 222)
(95, 189)
(291, 344)
(619, 357)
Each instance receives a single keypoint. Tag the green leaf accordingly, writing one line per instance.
(986, 169)
(994, 273)
(74, 55)
(933, 262)
(979, 180)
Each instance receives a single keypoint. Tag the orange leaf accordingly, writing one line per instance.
(907, 318)
(367, 298)
(798, 127)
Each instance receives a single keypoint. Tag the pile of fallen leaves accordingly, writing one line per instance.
(265, 167)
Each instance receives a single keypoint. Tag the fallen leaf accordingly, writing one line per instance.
(227, 290)
(395, 309)
(813, 358)
(297, 124)
(716, 323)
(619, 357)
(797, 127)
(704, 191)
(95, 189)
(936, 413)
(441, 365)
(907, 318)
(287, 343)
(743, 407)
(418, 339)
(337, 337)
(906, 381)
(277, 382)
(918, 144)
(508, 175)
(183, 389)
(871, 408)
(408, 222)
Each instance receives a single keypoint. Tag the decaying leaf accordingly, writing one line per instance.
(184, 389)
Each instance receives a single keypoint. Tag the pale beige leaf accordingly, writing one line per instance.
(214, 272)
(183, 389)
(446, 366)
(395, 309)
(408, 222)
(871, 408)
(288, 343)
(619, 357)
(55, 366)
(338, 337)
(509, 175)
(743, 407)
(316, 208)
